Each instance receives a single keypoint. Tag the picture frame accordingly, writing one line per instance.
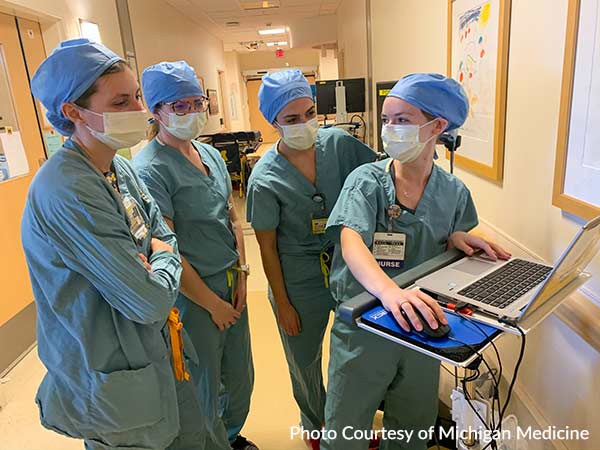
(213, 102)
(478, 41)
(577, 161)
(201, 81)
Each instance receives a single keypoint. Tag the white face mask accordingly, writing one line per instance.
(402, 143)
(186, 127)
(122, 129)
(301, 136)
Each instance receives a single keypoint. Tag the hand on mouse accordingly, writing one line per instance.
(396, 299)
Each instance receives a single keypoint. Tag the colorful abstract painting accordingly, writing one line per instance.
(475, 34)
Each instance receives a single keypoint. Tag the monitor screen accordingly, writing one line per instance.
(355, 95)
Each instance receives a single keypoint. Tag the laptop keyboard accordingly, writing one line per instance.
(507, 284)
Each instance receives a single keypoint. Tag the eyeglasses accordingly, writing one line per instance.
(181, 107)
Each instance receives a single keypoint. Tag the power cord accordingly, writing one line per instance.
(496, 393)
(496, 397)
(364, 124)
(513, 324)
(468, 397)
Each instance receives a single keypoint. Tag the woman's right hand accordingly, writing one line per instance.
(223, 314)
(288, 318)
(396, 299)
(156, 245)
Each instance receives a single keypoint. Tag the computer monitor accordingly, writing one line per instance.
(382, 90)
(355, 95)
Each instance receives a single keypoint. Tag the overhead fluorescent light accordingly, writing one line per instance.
(90, 30)
(271, 31)
(273, 44)
(253, 5)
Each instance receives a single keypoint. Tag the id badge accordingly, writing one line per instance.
(318, 225)
(389, 249)
(137, 225)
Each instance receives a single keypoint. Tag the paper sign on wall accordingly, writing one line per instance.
(53, 142)
(13, 160)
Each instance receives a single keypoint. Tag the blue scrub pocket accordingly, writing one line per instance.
(125, 400)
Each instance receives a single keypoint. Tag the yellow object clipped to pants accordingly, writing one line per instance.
(175, 327)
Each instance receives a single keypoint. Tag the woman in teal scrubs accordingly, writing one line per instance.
(190, 183)
(104, 268)
(291, 192)
(429, 211)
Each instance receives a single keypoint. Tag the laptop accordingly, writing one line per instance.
(511, 289)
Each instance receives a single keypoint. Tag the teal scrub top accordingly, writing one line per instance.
(445, 207)
(197, 204)
(100, 313)
(281, 198)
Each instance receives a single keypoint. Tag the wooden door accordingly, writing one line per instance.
(14, 279)
(257, 121)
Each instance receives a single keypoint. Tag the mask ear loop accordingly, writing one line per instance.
(432, 136)
(279, 129)
(160, 119)
(87, 125)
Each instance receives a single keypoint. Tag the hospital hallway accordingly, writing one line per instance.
(273, 409)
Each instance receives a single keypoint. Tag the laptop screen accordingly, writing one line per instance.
(572, 262)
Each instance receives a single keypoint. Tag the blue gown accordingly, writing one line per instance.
(198, 205)
(364, 369)
(101, 314)
(281, 198)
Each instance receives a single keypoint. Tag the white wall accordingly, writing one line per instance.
(313, 31)
(237, 88)
(352, 38)
(328, 66)
(161, 33)
(59, 19)
(559, 379)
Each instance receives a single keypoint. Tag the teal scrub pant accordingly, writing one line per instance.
(224, 377)
(365, 369)
(191, 432)
(304, 352)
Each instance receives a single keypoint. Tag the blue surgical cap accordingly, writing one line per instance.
(169, 81)
(434, 94)
(280, 88)
(69, 71)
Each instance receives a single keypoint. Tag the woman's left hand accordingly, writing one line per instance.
(468, 243)
(241, 292)
(145, 262)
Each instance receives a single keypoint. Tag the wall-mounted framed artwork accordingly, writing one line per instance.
(213, 102)
(577, 168)
(478, 40)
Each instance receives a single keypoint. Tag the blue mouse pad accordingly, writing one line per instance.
(466, 335)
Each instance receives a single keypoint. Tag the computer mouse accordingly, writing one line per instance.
(427, 332)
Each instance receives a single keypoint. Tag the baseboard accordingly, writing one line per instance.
(20, 333)
(539, 422)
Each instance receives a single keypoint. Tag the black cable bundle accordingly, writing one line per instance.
(495, 428)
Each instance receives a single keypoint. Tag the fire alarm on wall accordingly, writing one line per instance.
(279, 53)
